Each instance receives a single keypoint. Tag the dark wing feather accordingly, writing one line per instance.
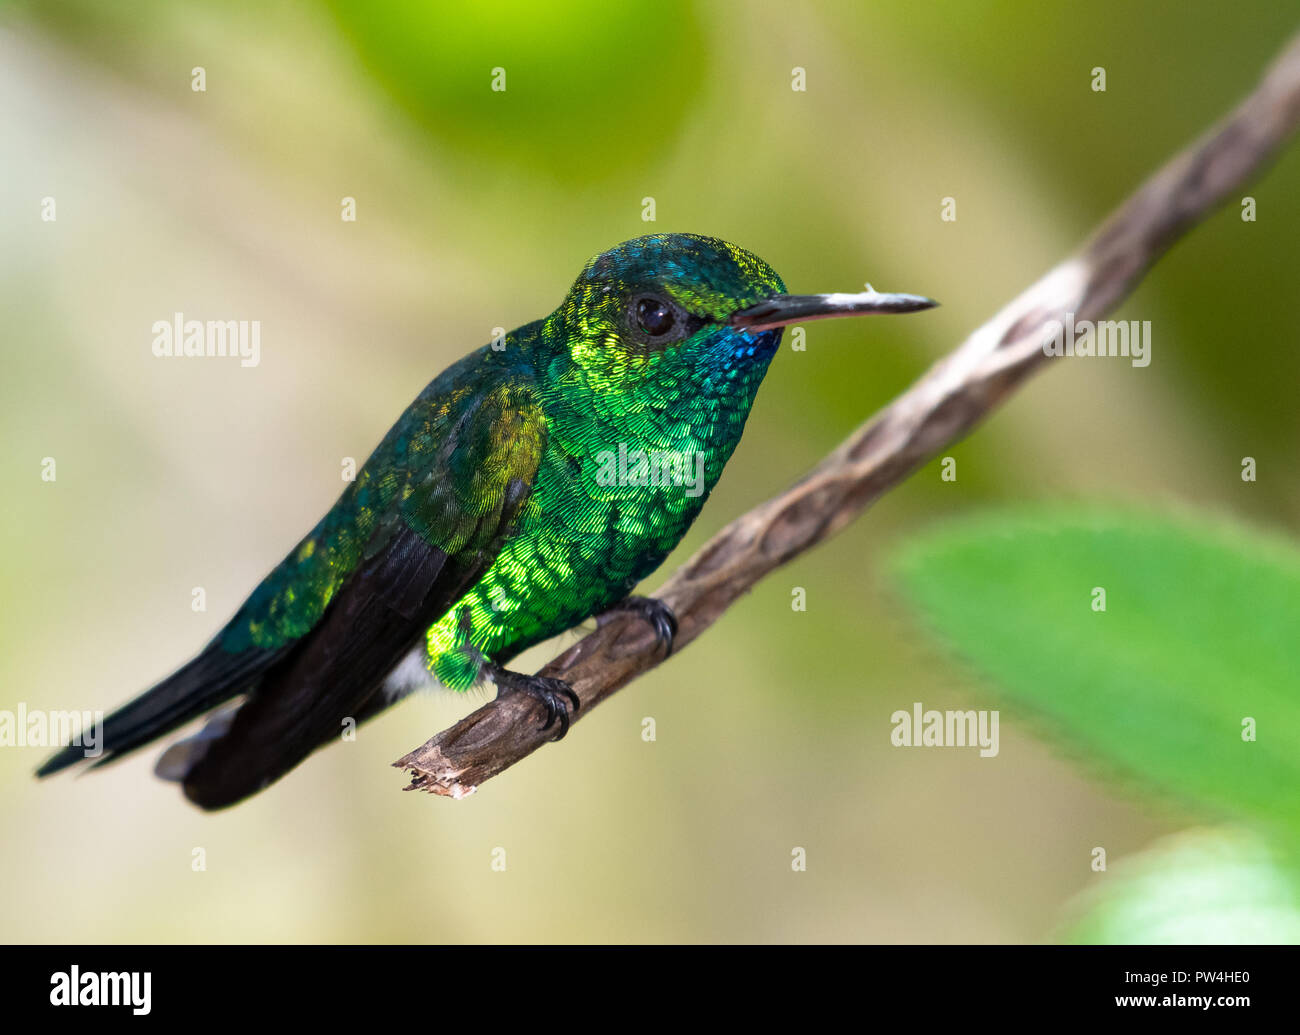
(381, 611)
(425, 517)
(376, 617)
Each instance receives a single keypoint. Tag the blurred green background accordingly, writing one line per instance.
(475, 209)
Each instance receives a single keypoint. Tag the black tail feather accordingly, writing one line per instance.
(210, 679)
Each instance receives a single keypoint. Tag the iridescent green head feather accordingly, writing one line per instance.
(684, 302)
(665, 296)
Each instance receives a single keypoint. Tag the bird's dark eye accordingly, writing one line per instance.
(655, 317)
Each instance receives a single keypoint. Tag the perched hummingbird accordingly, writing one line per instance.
(501, 509)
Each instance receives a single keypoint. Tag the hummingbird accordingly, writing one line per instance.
(529, 487)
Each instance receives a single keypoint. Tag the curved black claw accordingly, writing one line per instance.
(555, 694)
(656, 612)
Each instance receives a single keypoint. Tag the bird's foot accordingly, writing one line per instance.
(555, 694)
(658, 614)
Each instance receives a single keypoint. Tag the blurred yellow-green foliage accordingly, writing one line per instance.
(475, 209)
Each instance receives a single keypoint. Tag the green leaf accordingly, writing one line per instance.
(584, 88)
(1200, 633)
(1199, 888)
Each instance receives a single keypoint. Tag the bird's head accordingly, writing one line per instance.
(695, 311)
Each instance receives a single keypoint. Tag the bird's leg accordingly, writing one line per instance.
(658, 614)
(555, 694)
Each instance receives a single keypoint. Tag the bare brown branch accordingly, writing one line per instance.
(938, 410)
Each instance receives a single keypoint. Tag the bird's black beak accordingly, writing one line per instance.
(783, 310)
